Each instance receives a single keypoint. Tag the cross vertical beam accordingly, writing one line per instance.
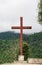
(21, 38)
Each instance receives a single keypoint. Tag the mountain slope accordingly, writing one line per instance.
(9, 45)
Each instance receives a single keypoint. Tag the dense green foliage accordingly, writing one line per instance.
(40, 12)
(9, 46)
(9, 50)
(25, 51)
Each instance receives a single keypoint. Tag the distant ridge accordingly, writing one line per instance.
(13, 35)
(9, 35)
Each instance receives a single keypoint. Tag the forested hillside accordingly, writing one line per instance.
(9, 45)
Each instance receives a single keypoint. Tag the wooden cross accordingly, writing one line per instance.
(21, 27)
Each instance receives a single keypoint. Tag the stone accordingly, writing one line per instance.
(35, 60)
(21, 58)
(19, 64)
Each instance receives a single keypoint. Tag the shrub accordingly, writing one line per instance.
(25, 51)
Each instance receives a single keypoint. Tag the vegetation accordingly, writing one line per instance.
(9, 46)
(40, 12)
(9, 50)
(25, 51)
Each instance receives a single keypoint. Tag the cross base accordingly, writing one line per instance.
(21, 58)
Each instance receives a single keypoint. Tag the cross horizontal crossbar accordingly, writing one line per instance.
(24, 27)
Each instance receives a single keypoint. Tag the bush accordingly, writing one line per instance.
(25, 51)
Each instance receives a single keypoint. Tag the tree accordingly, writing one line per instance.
(40, 12)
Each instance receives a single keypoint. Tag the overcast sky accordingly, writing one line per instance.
(11, 10)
